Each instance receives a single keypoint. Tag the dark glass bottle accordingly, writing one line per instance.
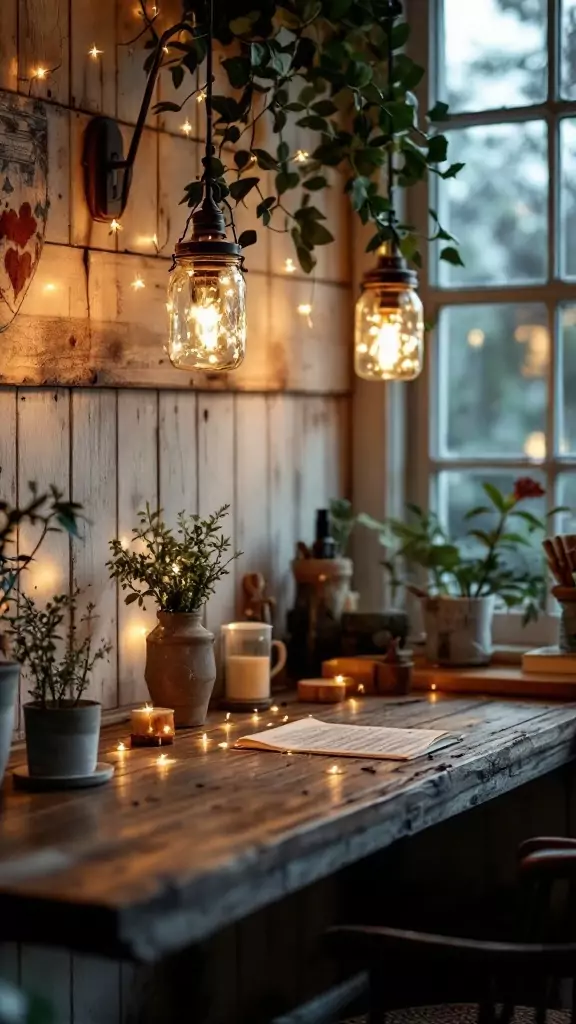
(324, 544)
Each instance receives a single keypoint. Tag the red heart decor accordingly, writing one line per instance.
(18, 269)
(18, 227)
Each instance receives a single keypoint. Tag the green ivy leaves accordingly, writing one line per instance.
(319, 65)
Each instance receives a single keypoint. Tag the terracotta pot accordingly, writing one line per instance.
(181, 667)
(9, 676)
(459, 629)
(62, 739)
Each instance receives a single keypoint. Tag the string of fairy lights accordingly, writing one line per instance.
(207, 742)
(42, 72)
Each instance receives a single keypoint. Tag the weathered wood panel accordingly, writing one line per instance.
(178, 453)
(43, 42)
(93, 484)
(9, 45)
(137, 484)
(252, 500)
(93, 79)
(216, 428)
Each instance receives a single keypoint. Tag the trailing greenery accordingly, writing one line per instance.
(179, 572)
(342, 523)
(47, 641)
(50, 513)
(422, 543)
(323, 66)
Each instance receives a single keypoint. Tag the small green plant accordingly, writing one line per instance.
(41, 633)
(421, 543)
(342, 522)
(178, 570)
(50, 513)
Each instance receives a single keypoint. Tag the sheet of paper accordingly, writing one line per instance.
(311, 736)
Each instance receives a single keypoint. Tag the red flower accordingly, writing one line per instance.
(525, 487)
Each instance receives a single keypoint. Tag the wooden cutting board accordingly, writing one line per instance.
(501, 680)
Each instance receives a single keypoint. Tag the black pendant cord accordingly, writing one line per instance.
(209, 112)
(390, 168)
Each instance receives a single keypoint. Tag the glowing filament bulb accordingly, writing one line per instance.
(207, 319)
(94, 52)
(301, 156)
(40, 73)
(186, 127)
(137, 283)
(387, 346)
(290, 266)
(201, 96)
(115, 227)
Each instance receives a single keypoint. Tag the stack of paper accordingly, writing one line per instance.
(310, 736)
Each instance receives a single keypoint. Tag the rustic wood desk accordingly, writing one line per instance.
(174, 849)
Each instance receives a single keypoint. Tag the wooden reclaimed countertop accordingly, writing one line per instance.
(167, 853)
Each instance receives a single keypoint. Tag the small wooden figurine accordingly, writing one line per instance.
(257, 607)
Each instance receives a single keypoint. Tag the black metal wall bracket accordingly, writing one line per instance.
(107, 173)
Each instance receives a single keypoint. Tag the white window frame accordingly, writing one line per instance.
(425, 17)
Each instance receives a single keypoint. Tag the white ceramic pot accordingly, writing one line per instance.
(459, 629)
(9, 676)
(62, 740)
(181, 666)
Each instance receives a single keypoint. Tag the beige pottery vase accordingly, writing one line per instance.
(180, 666)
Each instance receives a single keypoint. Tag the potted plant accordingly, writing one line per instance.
(57, 647)
(48, 511)
(179, 571)
(466, 577)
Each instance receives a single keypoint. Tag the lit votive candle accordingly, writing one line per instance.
(151, 727)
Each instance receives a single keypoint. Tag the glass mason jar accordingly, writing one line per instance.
(389, 334)
(246, 655)
(207, 310)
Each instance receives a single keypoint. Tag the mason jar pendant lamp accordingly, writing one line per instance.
(206, 288)
(389, 321)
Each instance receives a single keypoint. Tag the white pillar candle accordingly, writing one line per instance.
(151, 727)
(247, 677)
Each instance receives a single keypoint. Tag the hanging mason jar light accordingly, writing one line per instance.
(389, 328)
(389, 323)
(206, 289)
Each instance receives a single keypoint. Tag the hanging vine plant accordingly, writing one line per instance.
(323, 65)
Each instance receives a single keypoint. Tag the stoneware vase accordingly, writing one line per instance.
(459, 630)
(181, 666)
(9, 675)
(62, 740)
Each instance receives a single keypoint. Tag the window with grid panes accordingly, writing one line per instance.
(498, 397)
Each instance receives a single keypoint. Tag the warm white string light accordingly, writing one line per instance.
(115, 227)
(186, 128)
(137, 283)
(40, 73)
(201, 96)
(301, 156)
(289, 266)
(95, 52)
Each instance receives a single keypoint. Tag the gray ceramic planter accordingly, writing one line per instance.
(9, 676)
(62, 741)
(181, 667)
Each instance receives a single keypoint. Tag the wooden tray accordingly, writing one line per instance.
(503, 680)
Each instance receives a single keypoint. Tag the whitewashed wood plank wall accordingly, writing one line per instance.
(273, 441)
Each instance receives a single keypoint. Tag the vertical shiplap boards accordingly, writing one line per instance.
(44, 458)
(178, 454)
(93, 484)
(137, 467)
(252, 497)
(216, 426)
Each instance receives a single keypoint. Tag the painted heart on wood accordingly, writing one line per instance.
(19, 269)
(23, 198)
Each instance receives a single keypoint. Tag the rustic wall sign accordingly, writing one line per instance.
(23, 198)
